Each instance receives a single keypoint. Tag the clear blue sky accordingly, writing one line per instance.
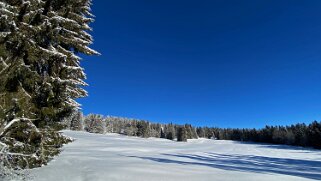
(225, 63)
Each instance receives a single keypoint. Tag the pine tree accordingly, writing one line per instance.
(130, 128)
(95, 123)
(170, 132)
(314, 134)
(300, 134)
(143, 129)
(16, 75)
(40, 73)
(181, 134)
(76, 122)
(110, 123)
(200, 132)
(39, 66)
(162, 134)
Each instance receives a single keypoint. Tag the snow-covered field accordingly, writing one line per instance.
(114, 157)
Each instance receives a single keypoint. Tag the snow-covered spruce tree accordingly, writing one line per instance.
(162, 133)
(95, 123)
(181, 134)
(40, 72)
(76, 122)
(130, 128)
(39, 43)
(109, 124)
(143, 129)
(170, 132)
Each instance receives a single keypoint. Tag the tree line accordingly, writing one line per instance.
(296, 135)
(94, 123)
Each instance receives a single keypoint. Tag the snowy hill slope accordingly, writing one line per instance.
(115, 157)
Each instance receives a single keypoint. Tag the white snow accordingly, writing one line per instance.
(115, 157)
(17, 120)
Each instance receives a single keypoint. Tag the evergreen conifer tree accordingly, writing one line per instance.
(314, 134)
(170, 132)
(162, 134)
(40, 72)
(76, 122)
(39, 67)
(181, 134)
(95, 123)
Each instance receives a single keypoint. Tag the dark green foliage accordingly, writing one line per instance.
(30, 146)
(143, 129)
(170, 131)
(170, 135)
(298, 135)
(181, 134)
(76, 121)
(40, 73)
(314, 134)
(162, 134)
(39, 68)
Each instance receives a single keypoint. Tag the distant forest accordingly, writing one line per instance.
(296, 135)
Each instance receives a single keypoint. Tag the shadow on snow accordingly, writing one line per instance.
(246, 163)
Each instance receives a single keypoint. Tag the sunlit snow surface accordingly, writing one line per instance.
(115, 157)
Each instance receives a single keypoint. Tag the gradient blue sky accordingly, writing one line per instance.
(225, 63)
